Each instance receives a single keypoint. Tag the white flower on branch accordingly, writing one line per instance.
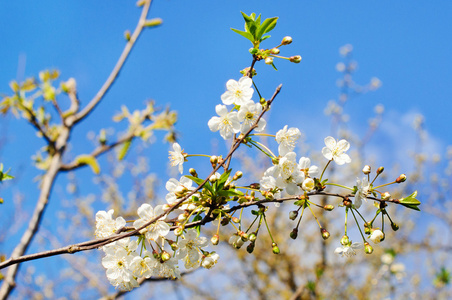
(177, 189)
(336, 150)
(210, 260)
(105, 225)
(348, 250)
(287, 139)
(362, 191)
(117, 262)
(238, 92)
(189, 248)
(248, 115)
(227, 122)
(176, 157)
(305, 165)
(376, 236)
(146, 213)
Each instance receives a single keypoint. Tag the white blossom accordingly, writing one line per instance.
(189, 248)
(362, 191)
(305, 165)
(308, 184)
(348, 250)
(143, 267)
(210, 260)
(248, 114)
(173, 186)
(156, 229)
(167, 269)
(238, 92)
(376, 236)
(118, 273)
(176, 157)
(289, 175)
(336, 150)
(227, 122)
(287, 138)
(105, 225)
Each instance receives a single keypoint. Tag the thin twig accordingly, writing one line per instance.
(114, 74)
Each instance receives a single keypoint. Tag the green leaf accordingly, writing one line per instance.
(247, 35)
(266, 26)
(230, 193)
(265, 37)
(274, 67)
(124, 150)
(411, 206)
(258, 20)
(411, 200)
(90, 161)
(197, 180)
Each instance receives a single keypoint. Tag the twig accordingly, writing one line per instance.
(114, 74)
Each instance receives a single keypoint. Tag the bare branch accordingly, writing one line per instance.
(114, 74)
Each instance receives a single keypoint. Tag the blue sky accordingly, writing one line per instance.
(186, 62)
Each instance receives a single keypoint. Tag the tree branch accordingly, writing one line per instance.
(122, 59)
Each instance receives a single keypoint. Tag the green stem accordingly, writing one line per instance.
(339, 185)
(299, 220)
(383, 185)
(357, 224)
(263, 134)
(257, 90)
(268, 229)
(315, 217)
(203, 155)
(255, 144)
(346, 216)
(321, 176)
(361, 216)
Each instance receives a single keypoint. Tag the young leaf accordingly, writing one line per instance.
(411, 206)
(266, 26)
(411, 200)
(247, 35)
(90, 161)
(125, 148)
(197, 180)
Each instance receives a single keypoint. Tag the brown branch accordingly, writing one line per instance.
(46, 186)
(114, 74)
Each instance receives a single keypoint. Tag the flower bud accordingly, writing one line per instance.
(153, 22)
(308, 184)
(182, 217)
(224, 221)
(347, 203)
(385, 196)
(293, 215)
(275, 248)
(274, 51)
(380, 170)
(127, 35)
(377, 236)
(328, 207)
(235, 219)
(269, 60)
(215, 239)
(250, 247)
(193, 172)
(244, 236)
(294, 233)
(252, 237)
(286, 40)
(325, 233)
(173, 245)
(213, 159)
(237, 175)
(179, 230)
(253, 50)
(401, 178)
(368, 248)
(213, 178)
(394, 226)
(295, 59)
(366, 169)
(165, 256)
(345, 240)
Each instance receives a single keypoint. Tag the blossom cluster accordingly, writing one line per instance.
(239, 94)
(127, 259)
